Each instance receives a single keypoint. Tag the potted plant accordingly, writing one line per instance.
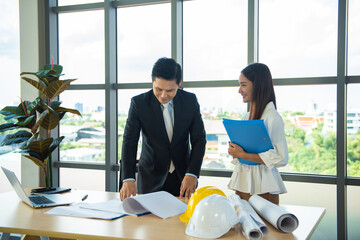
(29, 117)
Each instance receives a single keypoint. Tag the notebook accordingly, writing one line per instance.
(37, 201)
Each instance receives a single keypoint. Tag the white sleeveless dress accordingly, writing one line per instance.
(259, 179)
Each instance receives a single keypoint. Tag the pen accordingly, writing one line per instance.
(85, 197)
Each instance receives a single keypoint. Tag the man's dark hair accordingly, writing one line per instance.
(168, 69)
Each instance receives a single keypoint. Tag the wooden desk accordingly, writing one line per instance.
(17, 217)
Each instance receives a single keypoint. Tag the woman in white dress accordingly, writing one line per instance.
(262, 176)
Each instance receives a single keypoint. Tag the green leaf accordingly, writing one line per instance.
(38, 122)
(8, 126)
(12, 112)
(42, 80)
(43, 73)
(31, 107)
(55, 143)
(41, 147)
(55, 104)
(57, 87)
(25, 145)
(17, 137)
(50, 121)
(36, 84)
(27, 121)
(36, 161)
(74, 111)
(57, 68)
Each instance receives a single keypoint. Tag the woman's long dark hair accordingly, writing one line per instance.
(263, 89)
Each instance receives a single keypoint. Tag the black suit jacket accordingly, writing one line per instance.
(145, 116)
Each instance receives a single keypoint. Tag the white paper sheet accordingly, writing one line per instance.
(161, 204)
(77, 211)
(114, 205)
(253, 228)
(277, 216)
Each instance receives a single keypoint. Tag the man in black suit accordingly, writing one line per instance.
(167, 160)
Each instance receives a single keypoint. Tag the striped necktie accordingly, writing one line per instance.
(169, 128)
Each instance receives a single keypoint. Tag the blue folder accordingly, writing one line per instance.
(251, 135)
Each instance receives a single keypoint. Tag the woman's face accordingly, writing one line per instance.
(245, 89)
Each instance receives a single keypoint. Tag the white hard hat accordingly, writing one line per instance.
(214, 216)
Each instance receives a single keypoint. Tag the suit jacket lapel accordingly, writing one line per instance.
(159, 119)
(177, 116)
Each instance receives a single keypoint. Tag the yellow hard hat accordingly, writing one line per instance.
(195, 199)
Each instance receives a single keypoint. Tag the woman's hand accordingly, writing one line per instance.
(235, 150)
(238, 152)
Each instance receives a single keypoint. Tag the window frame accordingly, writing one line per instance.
(111, 87)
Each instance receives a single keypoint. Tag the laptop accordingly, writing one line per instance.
(37, 201)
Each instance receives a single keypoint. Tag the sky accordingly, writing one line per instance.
(206, 52)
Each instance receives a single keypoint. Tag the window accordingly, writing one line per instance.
(354, 38)
(124, 99)
(86, 179)
(10, 90)
(318, 195)
(215, 39)
(298, 38)
(70, 2)
(353, 214)
(141, 41)
(353, 131)
(309, 128)
(216, 104)
(84, 136)
(81, 45)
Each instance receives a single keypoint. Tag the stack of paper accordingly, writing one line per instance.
(161, 204)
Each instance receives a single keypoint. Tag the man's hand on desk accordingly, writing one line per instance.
(128, 189)
(188, 186)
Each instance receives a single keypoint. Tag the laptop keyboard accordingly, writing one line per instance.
(40, 199)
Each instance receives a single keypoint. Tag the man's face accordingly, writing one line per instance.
(165, 90)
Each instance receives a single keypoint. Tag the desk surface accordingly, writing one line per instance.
(17, 217)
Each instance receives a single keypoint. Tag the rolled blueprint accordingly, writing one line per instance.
(277, 216)
(251, 224)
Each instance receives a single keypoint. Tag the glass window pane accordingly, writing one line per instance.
(142, 40)
(354, 38)
(84, 136)
(10, 81)
(353, 212)
(309, 115)
(298, 38)
(315, 195)
(124, 99)
(216, 104)
(71, 2)
(84, 179)
(353, 131)
(215, 39)
(81, 46)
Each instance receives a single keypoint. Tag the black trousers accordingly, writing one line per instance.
(172, 184)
